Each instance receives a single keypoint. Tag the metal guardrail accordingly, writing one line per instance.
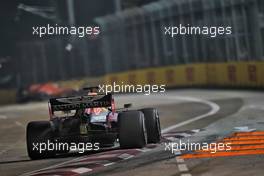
(138, 34)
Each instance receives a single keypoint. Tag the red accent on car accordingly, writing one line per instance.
(50, 111)
(113, 106)
(50, 89)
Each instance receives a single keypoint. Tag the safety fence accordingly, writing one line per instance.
(135, 39)
(133, 48)
(138, 38)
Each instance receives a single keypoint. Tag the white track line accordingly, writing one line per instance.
(81, 170)
(52, 166)
(3, 117)
(108, 164)
(2, 152)
(19, 124)
(186, 174)
(214, 109)
(179, 159)
(182, 168)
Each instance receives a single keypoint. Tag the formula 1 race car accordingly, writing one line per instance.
(40, 92)
(91, 119)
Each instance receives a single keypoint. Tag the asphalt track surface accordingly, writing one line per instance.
(196, 115)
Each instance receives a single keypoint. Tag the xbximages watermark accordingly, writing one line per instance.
(61, 146)
(191, 146)
(65, 30)
(211, 31)
(146, 89)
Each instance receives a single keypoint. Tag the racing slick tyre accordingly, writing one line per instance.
(39, 133)
(152, 124)
(132, 130)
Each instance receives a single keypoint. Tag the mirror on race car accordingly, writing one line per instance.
(129, 105)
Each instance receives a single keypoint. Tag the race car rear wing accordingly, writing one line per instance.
(80, 102)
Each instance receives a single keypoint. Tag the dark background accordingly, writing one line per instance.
(16, 33)
(130, 39)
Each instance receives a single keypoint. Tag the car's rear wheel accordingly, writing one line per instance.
(152, 124)
(132, 130)
(38, 135)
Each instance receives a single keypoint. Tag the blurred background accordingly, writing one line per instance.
(28, 59)
(132, 38)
